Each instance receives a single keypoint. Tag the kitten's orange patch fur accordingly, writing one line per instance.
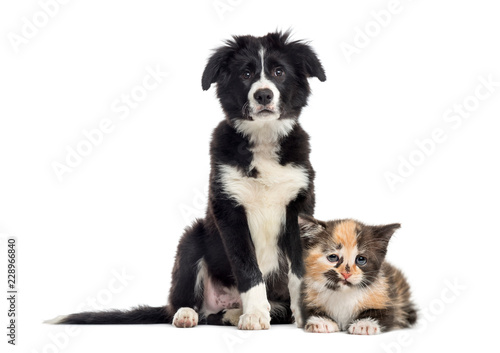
(377, 297)
(315, 267)
(345, 233)
(311, 297)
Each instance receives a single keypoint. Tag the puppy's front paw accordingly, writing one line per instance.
(255, 321)
(185, 317)
(321, 325)
(364, 327)
(255, 309)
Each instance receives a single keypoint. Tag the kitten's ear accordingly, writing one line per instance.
(215, 65)
(310, 226)
(385, 232)
(305, 219)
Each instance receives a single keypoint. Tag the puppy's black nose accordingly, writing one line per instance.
(263, 96)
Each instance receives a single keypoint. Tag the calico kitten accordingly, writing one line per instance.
(348, 285)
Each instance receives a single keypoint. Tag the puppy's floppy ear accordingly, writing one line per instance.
(215, 65)
(311, 62)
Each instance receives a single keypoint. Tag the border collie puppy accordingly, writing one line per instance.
(242, 264)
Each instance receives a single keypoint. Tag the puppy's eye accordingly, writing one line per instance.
(332, 258)
(278, 72)
(246, 74)
(361, 260)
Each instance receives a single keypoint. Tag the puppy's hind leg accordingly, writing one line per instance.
(186, 291)
(280, 313)
(227, 317)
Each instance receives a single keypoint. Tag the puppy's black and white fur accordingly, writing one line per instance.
(242, 263)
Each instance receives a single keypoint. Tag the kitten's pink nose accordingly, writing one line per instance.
(346, 275)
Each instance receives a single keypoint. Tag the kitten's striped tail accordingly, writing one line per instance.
(141, 315)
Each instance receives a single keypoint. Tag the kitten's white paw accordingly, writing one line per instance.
(255, 321)
(321, 325)
(364, 327)
(232, 316)
(185, 317)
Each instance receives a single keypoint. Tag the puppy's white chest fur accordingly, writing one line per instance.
(266, 196)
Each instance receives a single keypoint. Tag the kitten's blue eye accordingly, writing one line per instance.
(332, 258)
(361, 260)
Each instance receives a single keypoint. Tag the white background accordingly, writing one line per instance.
(124, 207)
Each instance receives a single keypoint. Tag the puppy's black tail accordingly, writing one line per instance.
(141, 315)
